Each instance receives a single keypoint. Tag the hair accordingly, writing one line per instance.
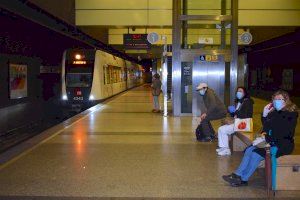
(156, 76)
(289, 105)
(246, 94)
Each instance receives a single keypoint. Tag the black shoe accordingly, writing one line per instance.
(232, 178)
(239, 184)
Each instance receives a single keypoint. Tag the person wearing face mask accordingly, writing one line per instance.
(243, 109)
(212, 108)
(279, 122)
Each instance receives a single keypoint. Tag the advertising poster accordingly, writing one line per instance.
(17, 81)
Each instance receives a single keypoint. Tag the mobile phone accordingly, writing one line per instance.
(271, 106)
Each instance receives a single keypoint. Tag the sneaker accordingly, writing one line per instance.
(219, 149)
(224, 152)
(232, 178)
(239, 184)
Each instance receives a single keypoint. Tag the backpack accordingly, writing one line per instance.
(199, 133)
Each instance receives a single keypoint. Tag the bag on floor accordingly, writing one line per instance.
(243, 125)
(199, 132)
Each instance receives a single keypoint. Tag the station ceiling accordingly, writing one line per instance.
(107, 20)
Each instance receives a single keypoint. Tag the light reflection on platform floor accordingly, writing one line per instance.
(121, 149)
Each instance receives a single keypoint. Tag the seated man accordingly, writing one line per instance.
(279, 122)
(214, 109)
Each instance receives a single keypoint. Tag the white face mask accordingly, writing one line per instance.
(202, 92)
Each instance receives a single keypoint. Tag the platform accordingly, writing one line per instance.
(120, 149)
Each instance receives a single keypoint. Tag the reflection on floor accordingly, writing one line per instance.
(121, 149)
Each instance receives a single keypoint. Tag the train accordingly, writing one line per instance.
(90, 75)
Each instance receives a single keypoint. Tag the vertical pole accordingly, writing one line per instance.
(184, 25)
(268, 170)
(234, 49)
(176, 60)
(223, 30)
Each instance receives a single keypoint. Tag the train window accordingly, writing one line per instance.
(78, 79)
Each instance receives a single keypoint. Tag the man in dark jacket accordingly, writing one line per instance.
(212, 108)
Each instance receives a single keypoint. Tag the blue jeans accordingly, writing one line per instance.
(249, 163)
(156, 102)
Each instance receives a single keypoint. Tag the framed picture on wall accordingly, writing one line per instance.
(17, 81)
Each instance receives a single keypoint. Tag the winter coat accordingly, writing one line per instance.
(281, 127)
(156, 87)
(246, 108)
(214, 106)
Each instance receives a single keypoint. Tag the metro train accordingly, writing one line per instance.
(93, 75)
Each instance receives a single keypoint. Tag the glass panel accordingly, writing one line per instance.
(79, 80)
(204, 34)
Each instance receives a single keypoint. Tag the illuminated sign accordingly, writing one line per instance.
(136, 41)
(79, 62)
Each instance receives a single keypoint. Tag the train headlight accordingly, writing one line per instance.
(64, 97)
(92, 97)
(78, 57)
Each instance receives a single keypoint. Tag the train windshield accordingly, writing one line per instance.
(79, 80)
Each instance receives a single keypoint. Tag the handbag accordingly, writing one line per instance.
(243, 125)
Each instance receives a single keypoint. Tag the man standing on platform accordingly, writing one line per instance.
(212, 108)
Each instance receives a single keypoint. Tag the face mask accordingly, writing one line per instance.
(239, 95)
(202, 92)
(278, 104)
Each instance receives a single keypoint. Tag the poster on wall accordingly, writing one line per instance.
(17, 81)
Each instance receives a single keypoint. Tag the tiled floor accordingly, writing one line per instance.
(121, 149)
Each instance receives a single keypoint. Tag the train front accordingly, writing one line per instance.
(77, 76)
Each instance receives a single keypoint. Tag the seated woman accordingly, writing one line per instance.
(243, 109)
(279, 123)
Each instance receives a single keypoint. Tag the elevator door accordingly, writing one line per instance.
(212, 73)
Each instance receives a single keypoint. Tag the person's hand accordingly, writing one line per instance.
(203, 116)
(231, 109)
(267, 109)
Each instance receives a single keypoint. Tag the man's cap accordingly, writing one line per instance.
(201, 85)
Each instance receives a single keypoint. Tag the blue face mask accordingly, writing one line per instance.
(278, 104)
(239, 95)
(202, 92)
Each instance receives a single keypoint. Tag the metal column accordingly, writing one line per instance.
(234, 49)
(176, 63)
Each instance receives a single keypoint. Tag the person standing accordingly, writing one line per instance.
(156, 90)
(212, 108)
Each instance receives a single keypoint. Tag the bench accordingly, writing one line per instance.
(239, 140)
(288, 167)
(287, 172)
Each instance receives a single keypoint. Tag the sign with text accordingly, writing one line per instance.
(136, 41)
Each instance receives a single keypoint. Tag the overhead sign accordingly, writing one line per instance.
(136, 41)
(206, 40)
(209, 58)
(246, 38)
(152, 37)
